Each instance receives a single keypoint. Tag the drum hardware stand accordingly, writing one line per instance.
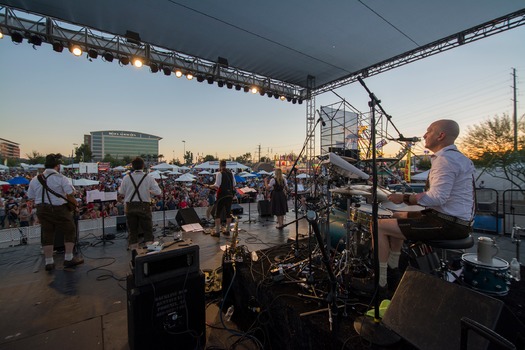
(294, 170)
(371, 329)
(515, 235)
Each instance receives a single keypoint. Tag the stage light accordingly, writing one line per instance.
(294, 100)
(92, 53)
(1, 35)
(200, 78)
(167, 71)
(35, 40)
(189, 76)
(238, 87)
(300, 101)
(137, 62)
(288, 99)
(75, 50)
(246, 89)
(254, 89)
(282, 97)
(16, 37)
(229, 85)
(262, 92)
(57, 46)
(210, 80)
(276, 96)
(108, 56)
(153, 68)
(178, 73)
(269, 94)
(220, 83)
(124, 60)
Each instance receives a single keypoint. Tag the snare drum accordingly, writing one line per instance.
(490, 279)
(362, 215)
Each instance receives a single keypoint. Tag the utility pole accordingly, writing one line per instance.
(515, 112)
(259, 153)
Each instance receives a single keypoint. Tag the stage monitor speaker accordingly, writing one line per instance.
(426, 311)
(169, 314)
(237, 209)
(264, 209)
(187, 216)
(121, 223)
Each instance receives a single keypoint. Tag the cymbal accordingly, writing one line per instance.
(380, 159)
(347, 191)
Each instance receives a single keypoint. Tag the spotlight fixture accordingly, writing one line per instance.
(276, 96)
(220, 83)
(124, 60)
(282, 97)
(92, 53)
(167, 71)
(210, 80)
(200, 78)
(269, 94)
(1, 35)
(189, 76)
(35, 40)
(254, 89)
(178, 73)
(108, 56)
(229, 85)
(262, 92)
(137, 62)
(238, 87)
(294, 100)
(75, 50)
(153, 68)
(57, 46)
(16, 37)
(300, 101)
(246, 89)
(289, 99)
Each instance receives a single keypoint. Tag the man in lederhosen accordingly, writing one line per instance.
(137, 188)
(225, 186)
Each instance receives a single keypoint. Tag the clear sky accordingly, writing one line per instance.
(49, 100)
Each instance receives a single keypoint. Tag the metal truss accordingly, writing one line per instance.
(481, 31)
(63, 34)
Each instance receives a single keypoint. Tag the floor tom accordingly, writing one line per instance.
(490, 279)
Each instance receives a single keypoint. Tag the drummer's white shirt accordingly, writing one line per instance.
(451, 184)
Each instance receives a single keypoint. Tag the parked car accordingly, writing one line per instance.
(408, 187)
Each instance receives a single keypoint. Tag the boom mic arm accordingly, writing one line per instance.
(401, 138)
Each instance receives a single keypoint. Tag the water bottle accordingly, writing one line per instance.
(515, 269)
(229, 313)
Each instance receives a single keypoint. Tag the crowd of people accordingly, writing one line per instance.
(16, 210)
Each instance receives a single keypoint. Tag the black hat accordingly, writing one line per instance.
(52, 160)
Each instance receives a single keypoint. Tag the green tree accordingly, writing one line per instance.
(188, 158)
(35, 158)
(490, 145)
(244, 159)
(209, 158)
(83, 153)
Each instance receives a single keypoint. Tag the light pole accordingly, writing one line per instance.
(184, 154)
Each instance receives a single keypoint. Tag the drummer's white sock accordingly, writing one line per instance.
(393, 259)
(382, 274)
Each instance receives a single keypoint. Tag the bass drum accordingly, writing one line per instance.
(341, 228)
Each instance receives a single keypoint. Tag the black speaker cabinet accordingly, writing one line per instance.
(264, 209)
(187, 216)
(168, 314)
(427, 312)
(121, 223)
(237, 209)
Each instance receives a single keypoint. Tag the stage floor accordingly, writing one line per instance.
(85, 308)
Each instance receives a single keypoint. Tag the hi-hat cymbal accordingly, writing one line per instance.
(380, 159)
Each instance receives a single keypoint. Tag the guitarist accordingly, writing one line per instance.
(49, 193)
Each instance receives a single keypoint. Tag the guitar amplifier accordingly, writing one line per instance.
(175, 259)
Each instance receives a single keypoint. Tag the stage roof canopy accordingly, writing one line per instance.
(305, 46)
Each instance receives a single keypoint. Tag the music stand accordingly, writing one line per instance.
(103, 198)
(249, 191)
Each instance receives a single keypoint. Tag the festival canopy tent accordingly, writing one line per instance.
(297, 47)
(3, 167)
(204, 172)
(120, 168)
(19, 180)
(214, 165)
(421, 176)
(303, 176)
(239, 179)
(174, 172)
(2, 183)
(185, 178)
(83, 182)
(164, 166)
(264, 172)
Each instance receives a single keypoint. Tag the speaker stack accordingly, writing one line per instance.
(263, 207)
(165, 299)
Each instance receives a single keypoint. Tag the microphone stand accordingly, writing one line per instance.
(294, 169)
(163, 206)
(369, 329)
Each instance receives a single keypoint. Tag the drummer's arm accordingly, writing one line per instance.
(398, 198)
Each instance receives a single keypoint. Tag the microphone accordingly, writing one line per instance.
(401, 138)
